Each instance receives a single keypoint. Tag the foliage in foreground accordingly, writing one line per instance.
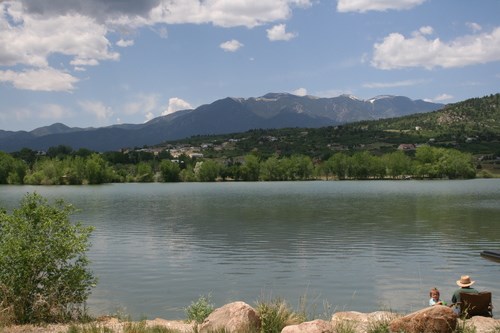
(199, 310)
(131, 327)
(43, 263)
(276, 314)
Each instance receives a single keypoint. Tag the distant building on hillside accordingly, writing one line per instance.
(407, 146)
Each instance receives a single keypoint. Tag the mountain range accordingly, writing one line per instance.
(228, 115)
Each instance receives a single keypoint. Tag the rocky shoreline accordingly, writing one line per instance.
(240, 317)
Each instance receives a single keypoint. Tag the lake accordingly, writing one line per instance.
(342, 245)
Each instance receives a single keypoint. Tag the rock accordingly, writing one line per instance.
(482, 324)
(232, 317)
(361, 322)
(315, 326)
(436, 319)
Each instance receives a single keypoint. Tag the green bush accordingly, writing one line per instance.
(200, 309)
(43, 265)
(276, 314)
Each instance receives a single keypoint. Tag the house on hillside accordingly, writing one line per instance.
(407, 146)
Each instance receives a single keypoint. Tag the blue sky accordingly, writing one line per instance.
(93, 63)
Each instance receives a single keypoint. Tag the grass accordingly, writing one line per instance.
(345, 326)
(131, 327)
(464, 326)
(275, 314)
(90, 328)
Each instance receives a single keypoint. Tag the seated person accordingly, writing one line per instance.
(434, 294)
(465, 284)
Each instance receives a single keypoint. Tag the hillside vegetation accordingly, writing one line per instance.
(460, 141)
(470, 126)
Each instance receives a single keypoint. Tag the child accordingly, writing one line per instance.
(434, 294)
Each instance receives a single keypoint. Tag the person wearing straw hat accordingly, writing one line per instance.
(465, 284)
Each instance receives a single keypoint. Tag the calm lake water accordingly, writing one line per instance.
(361, 246)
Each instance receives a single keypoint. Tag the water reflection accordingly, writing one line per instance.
(359, 245)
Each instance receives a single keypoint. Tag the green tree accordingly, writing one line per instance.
(207, 170)
(144, 172)
(271, 169)
(339, 164)
(455, 164)
(43, 263)
(97, 170)
(12, 170)
(397, 164)
(250, 169)
(170, 171)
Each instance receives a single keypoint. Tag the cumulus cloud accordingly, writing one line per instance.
(231, 45)
(31, 32)
(30, 40)
(47, 79)
(98, 109)
(221, 13)
(125, 43)
(146, 104)
(474, 26)
(278, 32)
(442, 97)
(176, 104)
(375, 5)
(300, 92)
(397, 51)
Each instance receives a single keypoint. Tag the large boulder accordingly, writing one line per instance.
(315, 326)
(482, 324)
(361, 322)
(232, 318)
(434, 319)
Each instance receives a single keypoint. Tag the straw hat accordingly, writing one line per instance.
(465, 281)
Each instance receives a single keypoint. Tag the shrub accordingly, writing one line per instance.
(141, 327)
(200, 309)
(345, 326)
(275, 315)
(43, 265)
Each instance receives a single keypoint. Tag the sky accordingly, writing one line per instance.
(94, 63)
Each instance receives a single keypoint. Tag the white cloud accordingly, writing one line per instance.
(31, 32)
(396, 51)
(47, 79)
(278, 32)
(427, 30)
(221, 13)
(144, 103)
(405, 83)
(125, 43)
(98, 109)
(300, 92)
(375, 5)
(176, 104)
(32, 39)
(442, 97)
(149, 116)
(231, 45)
(474, 26)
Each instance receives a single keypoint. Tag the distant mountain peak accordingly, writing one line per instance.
(354, 98)
(379, 97)
(226, 115)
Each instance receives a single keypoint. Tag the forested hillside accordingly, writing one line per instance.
(460, 141)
